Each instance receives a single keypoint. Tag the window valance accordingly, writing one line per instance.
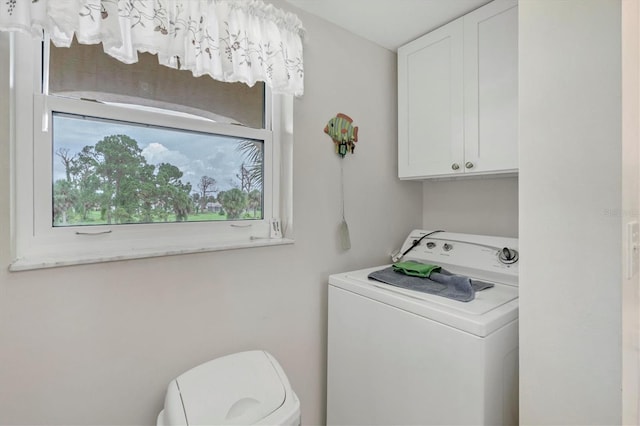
(230, 40)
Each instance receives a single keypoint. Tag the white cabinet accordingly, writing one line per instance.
(458, 97)
(430, 102)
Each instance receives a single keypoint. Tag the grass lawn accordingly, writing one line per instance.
(93, 218)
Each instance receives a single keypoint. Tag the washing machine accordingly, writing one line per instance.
(398, 356)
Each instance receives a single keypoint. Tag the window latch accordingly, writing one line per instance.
(93, 233)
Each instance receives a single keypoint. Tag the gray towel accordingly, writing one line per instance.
(443, 283)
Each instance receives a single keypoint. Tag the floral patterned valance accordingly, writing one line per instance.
(230, 40)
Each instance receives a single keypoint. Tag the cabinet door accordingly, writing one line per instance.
(491, 87)
(430, 104)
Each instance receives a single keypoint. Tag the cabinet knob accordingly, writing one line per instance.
(469, 165)
(455, 166)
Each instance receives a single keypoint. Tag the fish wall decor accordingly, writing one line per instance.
(344, 134)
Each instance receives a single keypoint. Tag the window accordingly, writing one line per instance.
(114, 162)
(136, 173)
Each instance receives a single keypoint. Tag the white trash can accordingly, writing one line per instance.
(246, 388)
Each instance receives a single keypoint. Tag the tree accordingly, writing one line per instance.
(86, 181)
(67, 161)
(219, 200)
(173, 195)
(195, 198)
(255, 201)
(64, 197)
(253, 155)
(147, 195)
(122, 169)
(206, 186)
(234, 202)
(115, 177)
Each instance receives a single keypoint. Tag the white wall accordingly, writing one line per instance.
(573, 204)
(97, 344)
(630, 204)
(479, 205)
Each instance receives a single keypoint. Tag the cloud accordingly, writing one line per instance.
(156, 153)
(216, 162)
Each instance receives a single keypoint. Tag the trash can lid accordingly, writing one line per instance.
(241, 388)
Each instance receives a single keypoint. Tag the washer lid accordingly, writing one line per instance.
(241, 388)
(491, 309)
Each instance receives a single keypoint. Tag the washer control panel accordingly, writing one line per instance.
(481, 256)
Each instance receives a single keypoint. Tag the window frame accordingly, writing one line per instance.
(39, 244)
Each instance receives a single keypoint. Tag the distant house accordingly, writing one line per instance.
(214, 207)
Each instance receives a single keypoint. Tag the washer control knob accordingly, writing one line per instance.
(431, 244)
(447, 247)
(508, 255)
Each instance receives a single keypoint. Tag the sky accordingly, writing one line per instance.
(195, 154)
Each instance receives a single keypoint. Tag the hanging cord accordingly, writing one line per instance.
(413, 245)
(342, 187)
(345, 240)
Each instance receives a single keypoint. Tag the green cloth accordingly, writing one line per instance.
(415, 269)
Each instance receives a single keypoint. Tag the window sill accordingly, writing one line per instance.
(42, 262)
